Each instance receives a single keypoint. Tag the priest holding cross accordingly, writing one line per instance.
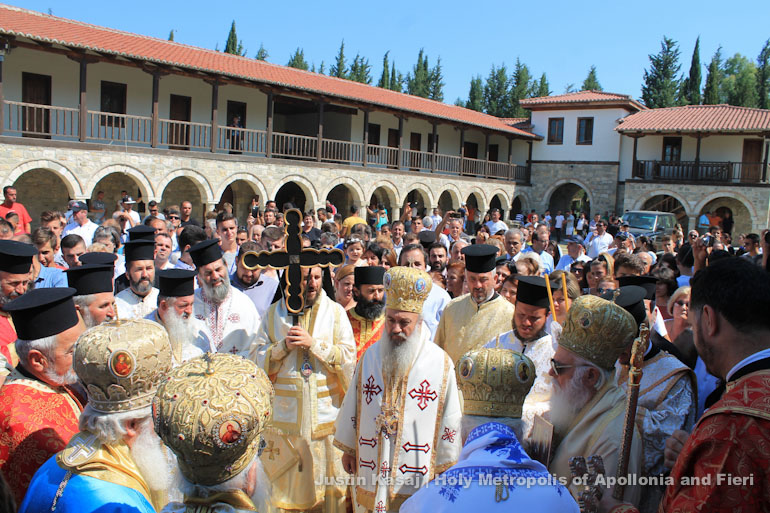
(306, 346)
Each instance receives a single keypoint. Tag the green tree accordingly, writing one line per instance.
(660, 81)
(543, 89)
(763, 77)
(233, 44)
(691, 85)
(385, 77)
(591, 83)
(521, 87)
(712, 92)
(475, 95)
(459, 102)
(360, 70)
(340, 68)
(171, 35)
(436, 82)
(396, 79)
(740, 81)
(418, 81)
(322, 68)
(495, 95)
(298, 60)
(262, 54)
(570, 88)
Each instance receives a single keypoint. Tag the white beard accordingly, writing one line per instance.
(68, 379)
(567, 402)
(147, 453)
(218, 293)
(263, 490)
(181, 331)
(397, 356)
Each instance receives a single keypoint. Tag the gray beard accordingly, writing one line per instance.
(88, 319)
(147, 453)
(141, 287)
(217, 294)
(397, 356)
(4, 300)
(181, 331)
(68, 379)
(567, 402)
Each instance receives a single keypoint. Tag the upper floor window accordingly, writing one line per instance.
(113, 100)
(555, 130)
(585, 131)
(672, 149)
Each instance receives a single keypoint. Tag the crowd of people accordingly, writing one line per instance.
(329, 361)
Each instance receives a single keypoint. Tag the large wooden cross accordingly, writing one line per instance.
(293, 258)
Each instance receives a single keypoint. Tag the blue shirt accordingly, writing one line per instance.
(50, 277)
(82, 494)
(546, 260)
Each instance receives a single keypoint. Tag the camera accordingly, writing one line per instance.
(708, 240)
(456, 215)
(255, 212)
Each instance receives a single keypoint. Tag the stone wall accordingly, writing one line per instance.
(749, 204)
(599, 180)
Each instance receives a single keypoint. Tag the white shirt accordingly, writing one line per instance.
(559, 221)
(86, 231)
(496, 226)
(765, 353)
(131, 306)
(433, 307)
(599, 244)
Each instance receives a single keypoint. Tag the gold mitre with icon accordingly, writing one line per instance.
(211, 411)
(494, 381)
(121, 363)
(406, 289)
(597, 330)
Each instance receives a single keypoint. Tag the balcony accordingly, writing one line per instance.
(61, 123)
(752, 173)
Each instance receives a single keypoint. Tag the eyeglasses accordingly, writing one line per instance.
(682, 303)
(557, 367)
(173, 217)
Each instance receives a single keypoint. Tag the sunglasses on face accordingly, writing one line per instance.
(558, 368)
(173, 217)
(683, 303)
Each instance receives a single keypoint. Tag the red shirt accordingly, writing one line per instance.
(24, 217)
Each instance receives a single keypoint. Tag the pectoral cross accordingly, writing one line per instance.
(294, 259)
(272, 450)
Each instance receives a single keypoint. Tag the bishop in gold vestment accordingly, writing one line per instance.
(310, 366)
(471, 320)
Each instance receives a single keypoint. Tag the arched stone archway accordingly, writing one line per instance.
(519, 205)
(309, 195)
(71, 182)
(447, 202)
(205, 191)
(740, 212)
(254, 182)
(113, 184)
(668, 203)
(117, 174)
(182, 189)
(420, 201)
(386, 197)
(239, 194)
(500, 200)
(29, 189)
(291, 192)
(569, 196)
(343, 197)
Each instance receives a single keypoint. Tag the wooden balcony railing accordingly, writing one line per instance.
(45, 121)
(691, 171)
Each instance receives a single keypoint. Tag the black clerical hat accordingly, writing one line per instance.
(480, 258)
(142, 232)
(368, 275)
(139, 250)
(91, 278)
(41, 313)
(631, 298)
(176, 282)
(98, 258)
(533, 291)
(645, 282)
(16, 257)
(427, 238)
(205, 252)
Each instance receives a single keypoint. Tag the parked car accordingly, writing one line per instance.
(650, 223)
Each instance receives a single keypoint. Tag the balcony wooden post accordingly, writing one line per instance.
(435, 148)
(486, 155)
(214, 115)
(511, 174)
(764, 164)
(2, 98)
(155, 113)
(697, 156)
(83, 117)
(269, 125)
(529, 162)
(365, 156)
(635, 162)
(320, 131)
(400, 156)
(462, 150)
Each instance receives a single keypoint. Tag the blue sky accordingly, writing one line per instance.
(561, 38)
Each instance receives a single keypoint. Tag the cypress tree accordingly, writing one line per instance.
(396, 79)
(763, 76)
(543, 89)
(298, 60)
(661, 84)
(691, 85)
(360, 70)
(339, 68)
(712, 93)
(521, 87)
(171, 35)
(495, 96)
(475, 95)
(322, 68)
(233, 45)
(436, 82)
(262, 54)
(418, 82)
(591, 83)
(385, 77)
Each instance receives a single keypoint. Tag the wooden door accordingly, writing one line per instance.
(751, 163)
(36, 89)
(393, 143)
(415, 143)
(180, 109)
(236, 119)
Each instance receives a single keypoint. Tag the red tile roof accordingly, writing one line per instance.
(78, 35)
(583, 98)
(697, 118)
